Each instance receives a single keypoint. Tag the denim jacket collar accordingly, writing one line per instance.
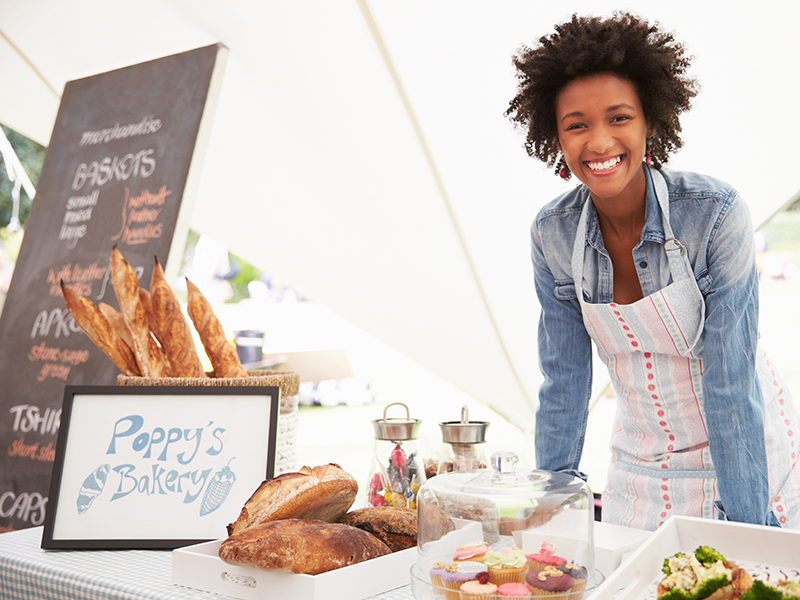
(653, 230)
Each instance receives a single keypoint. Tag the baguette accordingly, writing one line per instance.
(220, 351)
(126, 286)
(301, 546)
(94, 323)
(144, 298)
(171, 328)
(117, 322)
(323, 493)
(155, 347)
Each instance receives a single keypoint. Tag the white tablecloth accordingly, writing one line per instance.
(29, 573)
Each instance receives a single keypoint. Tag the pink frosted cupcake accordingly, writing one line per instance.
(506, 565)
(480, 589)
(473, 551)
(517, 591)
(546, 557)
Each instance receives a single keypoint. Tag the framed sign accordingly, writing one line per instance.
(157, 467)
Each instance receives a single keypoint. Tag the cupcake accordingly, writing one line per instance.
(436, 572)
(579, 574)
(514, 590)
(456, 574)
(473, 551)
(546, 557)
(549, 582)
(478, 589)
(506, 565)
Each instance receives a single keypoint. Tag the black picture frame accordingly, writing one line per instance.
(162, 462)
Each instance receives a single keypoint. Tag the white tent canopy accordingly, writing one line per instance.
(359, 151)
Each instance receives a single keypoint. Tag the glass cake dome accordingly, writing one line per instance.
(533, 528)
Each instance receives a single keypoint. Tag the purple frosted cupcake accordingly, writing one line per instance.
(549, 581)
(578, 573)
(457, 573)
(437, 570)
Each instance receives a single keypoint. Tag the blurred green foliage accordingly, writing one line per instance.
(245, 275)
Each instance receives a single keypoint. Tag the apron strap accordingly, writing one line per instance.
(676, 252)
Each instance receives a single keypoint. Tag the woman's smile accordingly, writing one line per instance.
(604, 166)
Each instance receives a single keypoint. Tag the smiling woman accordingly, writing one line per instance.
(658, 269)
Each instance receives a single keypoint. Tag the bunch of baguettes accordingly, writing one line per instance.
(149, 335)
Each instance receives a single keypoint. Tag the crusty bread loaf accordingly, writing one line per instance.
(171, 328)
(322, 493)
(94, 323)
(126, 287)
(394, 526)
(301, 546)
(220, 351)
(741, 581)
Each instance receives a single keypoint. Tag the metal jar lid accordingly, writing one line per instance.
(464, 431)
(396, 429)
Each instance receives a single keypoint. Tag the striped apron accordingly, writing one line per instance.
(660, 459)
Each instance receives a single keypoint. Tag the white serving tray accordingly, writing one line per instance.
(200, 567)
(763, 551)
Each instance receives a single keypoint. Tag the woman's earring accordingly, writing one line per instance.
(647, 158)
(562, 170)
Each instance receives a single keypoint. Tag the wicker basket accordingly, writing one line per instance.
(289, 384)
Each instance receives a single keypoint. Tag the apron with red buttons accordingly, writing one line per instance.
(661, 463)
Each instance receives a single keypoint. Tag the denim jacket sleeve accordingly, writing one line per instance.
(733, 404)
(565, 361)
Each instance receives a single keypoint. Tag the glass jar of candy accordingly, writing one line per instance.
(397, 469)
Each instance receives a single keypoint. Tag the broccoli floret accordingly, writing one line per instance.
(704, 591)
(707, 555)
(710, 586)
(761, 591)
(665, 568)
(675, 594)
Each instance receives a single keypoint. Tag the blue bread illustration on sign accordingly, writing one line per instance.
(91, 488)
(217, 491)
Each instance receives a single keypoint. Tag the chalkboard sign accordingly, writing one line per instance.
(122, 154)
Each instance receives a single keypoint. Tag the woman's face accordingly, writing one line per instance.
(602, 132)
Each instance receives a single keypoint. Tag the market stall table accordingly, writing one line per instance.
(27, 572)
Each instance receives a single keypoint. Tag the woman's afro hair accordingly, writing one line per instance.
(624, 45)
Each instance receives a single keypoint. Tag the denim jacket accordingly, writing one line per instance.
(713, 223)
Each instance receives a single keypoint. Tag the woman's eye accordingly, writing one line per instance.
(575, 126)
(620, 118)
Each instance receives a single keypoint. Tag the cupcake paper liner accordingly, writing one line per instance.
(501, 576)
(436, 581)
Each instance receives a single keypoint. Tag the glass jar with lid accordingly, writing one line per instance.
(533, 526)
(462, 444)
(397, 469)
